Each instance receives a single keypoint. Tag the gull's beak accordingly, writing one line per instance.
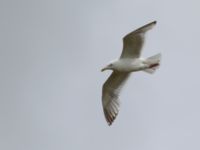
(103, 69)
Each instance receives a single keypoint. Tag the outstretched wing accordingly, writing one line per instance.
(110, 95)
(133, 42)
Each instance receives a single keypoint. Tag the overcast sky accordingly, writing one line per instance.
(51, 53)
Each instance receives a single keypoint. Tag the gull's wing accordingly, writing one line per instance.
(133, 42)
(110, 95)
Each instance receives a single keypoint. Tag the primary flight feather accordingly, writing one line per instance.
(129, 61)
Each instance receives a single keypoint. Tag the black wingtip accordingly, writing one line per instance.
(109, 117)
(154, 22)
(109, 124)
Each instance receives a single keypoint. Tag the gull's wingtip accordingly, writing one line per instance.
(154, 22)
(145, 28)
(110, 117)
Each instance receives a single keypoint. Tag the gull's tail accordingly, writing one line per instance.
(153, 62)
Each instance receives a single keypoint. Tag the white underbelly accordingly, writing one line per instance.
(131, 65)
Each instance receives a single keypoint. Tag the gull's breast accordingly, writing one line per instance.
(130, 65)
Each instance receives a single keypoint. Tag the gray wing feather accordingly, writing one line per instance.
(110, 95)
(133, 42)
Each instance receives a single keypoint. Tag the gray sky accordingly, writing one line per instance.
(51, 53)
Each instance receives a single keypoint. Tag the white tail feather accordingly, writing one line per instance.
(153, 62)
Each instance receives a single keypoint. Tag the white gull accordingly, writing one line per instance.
(129, 61)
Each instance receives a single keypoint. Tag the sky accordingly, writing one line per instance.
(51, 54)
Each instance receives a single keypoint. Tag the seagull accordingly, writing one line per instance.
(129, 61)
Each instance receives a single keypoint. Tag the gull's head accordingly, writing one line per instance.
(108, 67)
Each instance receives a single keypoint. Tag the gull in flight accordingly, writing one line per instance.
(129, 61)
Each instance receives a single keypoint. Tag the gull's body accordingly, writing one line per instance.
(130, 64)
(129, 61)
